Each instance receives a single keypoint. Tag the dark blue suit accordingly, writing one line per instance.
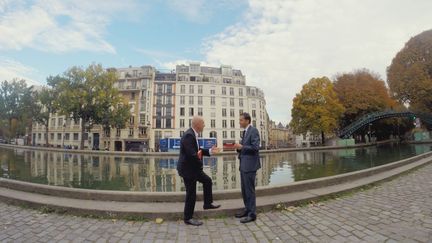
(190, 167)
(249, 164)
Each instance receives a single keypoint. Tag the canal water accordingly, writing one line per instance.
(159, 174)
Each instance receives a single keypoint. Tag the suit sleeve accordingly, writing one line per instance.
(191, 153)
(255, 143)
(206, 152)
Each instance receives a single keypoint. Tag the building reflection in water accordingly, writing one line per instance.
(159, 174)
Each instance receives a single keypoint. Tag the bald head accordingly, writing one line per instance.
(198, 123)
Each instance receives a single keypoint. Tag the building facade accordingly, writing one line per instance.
(280, 136)
(162, 106)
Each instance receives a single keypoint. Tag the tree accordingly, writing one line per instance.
(47, 104)
(16, 106)
(362, 92)
(410, 74)
(89, 94)
(316, 108)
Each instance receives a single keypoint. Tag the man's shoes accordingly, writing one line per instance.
(193, 222)
(211, 206)
(241, 215)
(247, 219)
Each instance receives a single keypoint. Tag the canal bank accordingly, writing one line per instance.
(170, 204)
(126, 153)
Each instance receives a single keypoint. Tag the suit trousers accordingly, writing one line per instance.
(248, 192)
(190, 184)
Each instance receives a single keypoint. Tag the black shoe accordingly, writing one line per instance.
(193, 222)
(247, 220)
(241, 215)
(211, 206)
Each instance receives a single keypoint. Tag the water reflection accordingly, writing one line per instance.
(109, 172)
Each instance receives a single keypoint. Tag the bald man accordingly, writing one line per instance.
(190, 167)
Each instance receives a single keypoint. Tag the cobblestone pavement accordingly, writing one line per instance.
(395, 211)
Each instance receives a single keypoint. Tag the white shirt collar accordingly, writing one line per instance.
(247, 127)
(196, 134)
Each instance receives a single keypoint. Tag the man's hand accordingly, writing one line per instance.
(200, 155)
(215, 150)
(238, 146)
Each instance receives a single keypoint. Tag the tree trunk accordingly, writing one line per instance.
(46, 135)
(322, 138)
(82, 134)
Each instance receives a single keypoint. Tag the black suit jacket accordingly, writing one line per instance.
(249, 154)
(189, 165)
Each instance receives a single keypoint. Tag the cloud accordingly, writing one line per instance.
(201, 11)
(280, 44)
(60, 26)
(10, 69)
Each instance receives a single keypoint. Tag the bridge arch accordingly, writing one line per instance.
(349, 130)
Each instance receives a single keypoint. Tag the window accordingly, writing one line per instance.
(75, 136)
(59, 136)
(158, 100)
(223, 90)
(200, 111)
(182, 100)
(168, 123)
(52, 136)
(213, 123)
(200, 89)
(224, 102)
(182, 111)
(224, 123)
(169, 88)
(182, 124)
(212, 91)
(241, 102)
(190, 122)
(159, 88)
(253, 113)
(60, 121)
(212, 134)
(231, 91)
(232, 134)
(232, 111)
(200, 100)
(131, 132)
(182, 89)
(212, 100)
(158, 123)
(158, 112)
(67, 136)
(232, 124)
(240, 112)
(231, 101)
(224, 134)
(168, 112)
(191, 100)
(168, 100)
(240, 92)
(191, 89)
(191, 111)
(254, 123)
(224, 112)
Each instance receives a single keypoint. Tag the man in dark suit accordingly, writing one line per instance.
(248, 151)
(190, 167)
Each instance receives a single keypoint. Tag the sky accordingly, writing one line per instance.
(278, 44)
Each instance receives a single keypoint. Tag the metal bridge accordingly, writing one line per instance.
(347, 131)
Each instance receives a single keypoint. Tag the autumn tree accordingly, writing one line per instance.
(410, 74)
(362, 92)
(316, 108)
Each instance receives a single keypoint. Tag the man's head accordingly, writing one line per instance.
(198, 123)
(245, 120)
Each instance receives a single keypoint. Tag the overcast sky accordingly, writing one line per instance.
(278, 44)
